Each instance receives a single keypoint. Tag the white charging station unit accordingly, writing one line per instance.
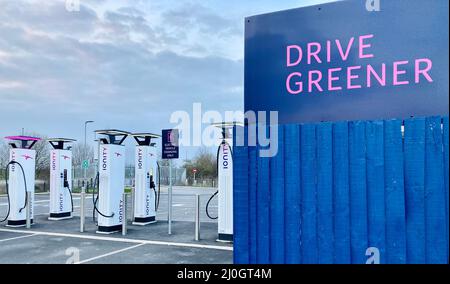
(61, 203)
(146, 174)
(21, 152)
(225, 182)
(109, 205)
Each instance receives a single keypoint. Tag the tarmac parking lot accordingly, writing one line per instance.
(59, 242)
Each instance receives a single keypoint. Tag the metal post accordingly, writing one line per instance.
(82, 201)
(124, 215)
(85, 156)
(28, 210)
(170, 197)
(197, 217)
(132, 203)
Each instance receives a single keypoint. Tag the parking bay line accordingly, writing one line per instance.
(108, 254)
(19, 237)
(120, 240)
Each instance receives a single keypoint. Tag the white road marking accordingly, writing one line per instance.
(109, 254)
(46, 201)
(16, 238)
(120, 240)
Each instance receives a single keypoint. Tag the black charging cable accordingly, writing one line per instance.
(159, 186)
(217, 168)
(95, 200)
(7, 188)
(71, 197)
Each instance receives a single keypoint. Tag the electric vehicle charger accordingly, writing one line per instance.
(224, 142)
(224, 184)
(20, 182)
(109, 203)
(146, 197)
(61, 199)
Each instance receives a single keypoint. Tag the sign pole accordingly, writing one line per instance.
(170, 197)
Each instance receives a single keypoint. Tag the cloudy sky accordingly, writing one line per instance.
(126, 64)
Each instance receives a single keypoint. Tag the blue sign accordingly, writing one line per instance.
(170, 144)
(343, 61)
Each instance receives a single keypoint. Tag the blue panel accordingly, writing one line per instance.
(437, 245)
(325, 193)
(395, 194)
(253, 178)
(446, 172)
(293, 194)
(309, 247)
(375, 186)
(358, 194)
(411, 35)
(277, 236)
(415, 189)
(341, 193)
(240, 206)
(263, 211)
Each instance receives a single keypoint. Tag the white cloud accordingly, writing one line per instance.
(126, 64)
(10, 85)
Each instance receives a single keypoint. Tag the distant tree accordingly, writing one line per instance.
(4, 153)
(81, 153)
(4, 156)
(42, 149)
(163, 163)
(205, 162)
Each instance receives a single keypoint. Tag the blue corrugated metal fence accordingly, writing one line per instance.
(336, 189)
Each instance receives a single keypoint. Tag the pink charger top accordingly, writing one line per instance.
(23, 138)
(26, 142)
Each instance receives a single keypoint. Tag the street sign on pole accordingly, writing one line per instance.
(85, 164)
(170, 144)
(194, 171)
(170, 151)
